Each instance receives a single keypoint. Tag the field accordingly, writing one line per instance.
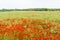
(30, 25)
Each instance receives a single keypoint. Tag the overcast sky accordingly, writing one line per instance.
(11, 4)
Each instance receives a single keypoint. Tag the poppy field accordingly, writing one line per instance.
(30, 25)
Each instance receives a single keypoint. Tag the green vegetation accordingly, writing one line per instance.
(31, 9)
(47, 15)
(34, 25)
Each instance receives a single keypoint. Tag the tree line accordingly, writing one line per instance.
(31, 9)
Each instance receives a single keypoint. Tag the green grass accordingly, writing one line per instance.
(47, 15)
(44, 15)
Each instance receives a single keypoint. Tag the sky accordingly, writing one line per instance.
(23, 4)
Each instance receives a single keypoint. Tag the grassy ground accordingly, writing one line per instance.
(44, 15)
(13, 29)
(47, 15)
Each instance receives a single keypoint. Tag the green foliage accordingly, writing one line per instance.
(6, 37)
(31, 9)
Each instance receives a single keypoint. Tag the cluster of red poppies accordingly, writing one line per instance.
(28, 29)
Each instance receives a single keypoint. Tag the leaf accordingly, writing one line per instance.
(39, 27)
(26, 38)
(37, 35)
(45, 27)
(6, 37)
(53, 31)
(15, 32)
(43, 31)
(26, 32)
(32, 35)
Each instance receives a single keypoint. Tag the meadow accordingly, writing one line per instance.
(30, 25)
(32, 14)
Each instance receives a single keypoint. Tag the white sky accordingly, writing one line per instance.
(11, 4)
